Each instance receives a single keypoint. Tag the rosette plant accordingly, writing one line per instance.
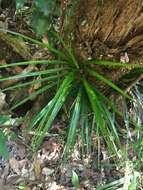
(90, 110)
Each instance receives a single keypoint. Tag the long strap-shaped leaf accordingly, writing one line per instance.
(73, 124)
(40, 91)
(107, 114)
(109, 103)
(111, 124)
(68, 49)
(114, 64)
(50, 78)
(42, 115)
(3, 146)
(84, 121)
(55, 51)
(104, 99)
(48, 62)
(99, 116)
(23, 36)
(38, 117)
(31, 74)
(46, 111)
(108, 82)
(112, 185)
(53, 109)
(94, 103)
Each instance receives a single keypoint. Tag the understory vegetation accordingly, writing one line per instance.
(96, 119)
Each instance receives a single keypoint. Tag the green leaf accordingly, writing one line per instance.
(49, 79)
(3, 119)
(41, 90)
(44, 16)
(114, 64)
(111, 124)
(112, 185)
(21, 187)
(47, 62)
(3, 146)
(24, 37)
(75, 179)
(31, 74)
(108, 82)
(72, 58)
(52, 110)
(38, 117)
(20, 4)
(94, 103)
(86, 135)
(104, 99)
(134, 180)
(42, 44)
(8, 121)
(100, 117)
(73, 124)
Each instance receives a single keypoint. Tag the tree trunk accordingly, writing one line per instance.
(109, 30)
(7, 4)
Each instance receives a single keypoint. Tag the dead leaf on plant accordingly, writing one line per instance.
(37, 168)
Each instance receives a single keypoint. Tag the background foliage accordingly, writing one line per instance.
(45, 14)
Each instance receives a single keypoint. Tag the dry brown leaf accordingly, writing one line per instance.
(2, 100)
(27, 188)
(45, 39)
(37, 168)
(14, 164)
(2, 62)
(35, 86)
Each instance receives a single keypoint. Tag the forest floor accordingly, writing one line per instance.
(45, 170)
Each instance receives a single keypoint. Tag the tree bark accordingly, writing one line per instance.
(115, 24)
(8, 4)
(108, 29)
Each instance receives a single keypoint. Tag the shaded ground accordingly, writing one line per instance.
(45, 170)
